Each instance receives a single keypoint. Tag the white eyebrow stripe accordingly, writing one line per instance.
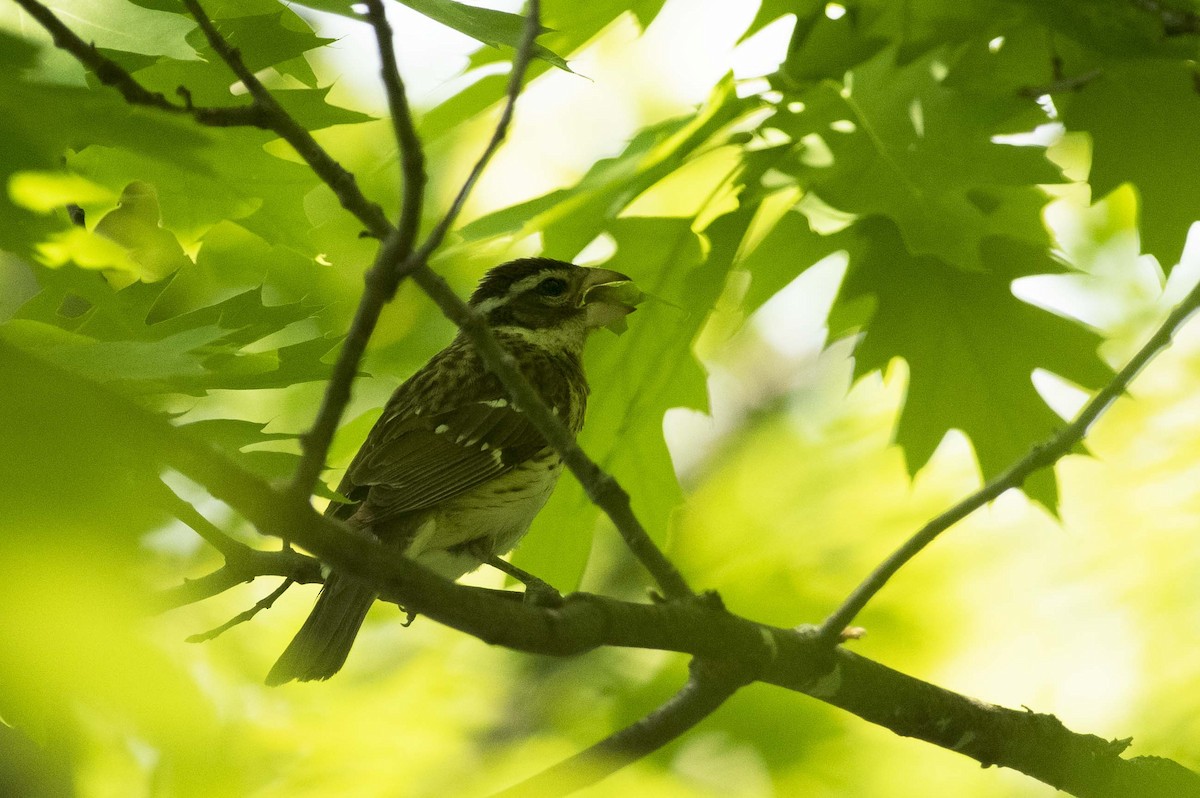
(524, 284)
(488, 305)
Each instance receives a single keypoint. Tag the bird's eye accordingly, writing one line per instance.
(552, 286)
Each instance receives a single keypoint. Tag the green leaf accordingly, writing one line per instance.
(569, 26)
(263, 40)
(784, 253)
(238, 181)
(1144, 121)
(138, 366)
(964, 373)
(906, 146)
(612, 183)
(112, 24)
(486, 25)
(134, 225)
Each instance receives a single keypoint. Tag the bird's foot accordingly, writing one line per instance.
(537, 591)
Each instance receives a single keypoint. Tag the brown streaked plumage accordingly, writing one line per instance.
(451, 472)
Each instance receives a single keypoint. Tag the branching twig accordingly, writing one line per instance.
(264, 603)
(1041, 456)
(110, 73)
(245, 567)
(710, 684)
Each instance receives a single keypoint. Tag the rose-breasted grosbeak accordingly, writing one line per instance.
(451, 472)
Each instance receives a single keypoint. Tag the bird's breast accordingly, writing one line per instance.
(491, 517)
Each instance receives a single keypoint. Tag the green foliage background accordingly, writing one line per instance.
(850, 401)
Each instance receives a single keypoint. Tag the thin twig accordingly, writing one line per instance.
(1043, 455)
(264, 603)
(516, 81)
(707, 688)
(212, 535)
(408, 143)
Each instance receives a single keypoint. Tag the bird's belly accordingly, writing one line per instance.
(489, 519)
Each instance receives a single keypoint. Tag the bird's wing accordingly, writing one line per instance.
(423, 460)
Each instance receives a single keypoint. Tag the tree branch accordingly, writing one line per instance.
(1084, 765)
(265, 603)
(207, 530)
(292, 565)
(408, 143)
(1041, 456)
(710, 683)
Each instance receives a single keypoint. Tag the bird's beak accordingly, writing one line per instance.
(608, 297)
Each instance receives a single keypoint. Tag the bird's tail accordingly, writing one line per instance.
(320, 647)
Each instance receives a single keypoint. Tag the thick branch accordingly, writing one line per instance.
(1043, 455)
(1038, 745)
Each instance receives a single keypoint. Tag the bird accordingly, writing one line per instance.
(453, 473)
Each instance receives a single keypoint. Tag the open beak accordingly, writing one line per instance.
(608, 297)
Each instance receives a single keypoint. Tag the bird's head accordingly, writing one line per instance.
(559, 298)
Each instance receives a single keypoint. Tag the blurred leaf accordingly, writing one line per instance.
(135, 225)
(574, 216)
(114, 24)
(41, 122)
(73, 605)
